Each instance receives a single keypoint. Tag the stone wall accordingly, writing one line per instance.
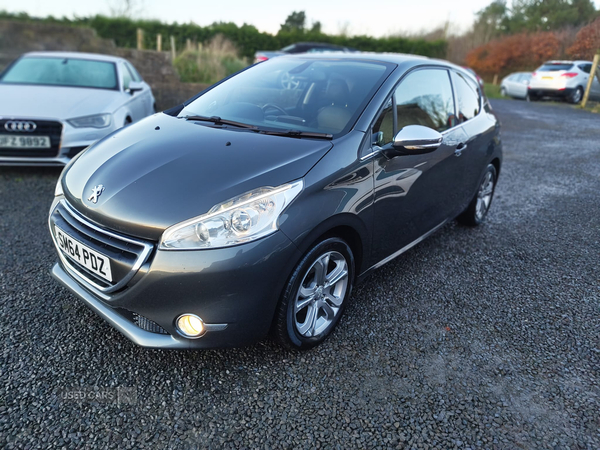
(155, 67)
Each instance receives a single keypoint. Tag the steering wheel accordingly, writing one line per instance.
(266, 106)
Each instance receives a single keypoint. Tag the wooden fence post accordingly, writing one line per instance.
(159, 42)
(188, 44)
(140, 39)
(590, 80)
(173, 49)
(495, 80)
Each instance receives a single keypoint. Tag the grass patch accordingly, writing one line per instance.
(492, 90)
(211, 63)
(591, 106)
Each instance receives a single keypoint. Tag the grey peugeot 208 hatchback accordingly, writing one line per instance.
(257, 205)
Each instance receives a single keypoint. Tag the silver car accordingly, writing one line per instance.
(563, 79)
(55, 104)
(515, 85)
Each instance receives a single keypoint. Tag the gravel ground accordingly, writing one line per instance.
(476, 338)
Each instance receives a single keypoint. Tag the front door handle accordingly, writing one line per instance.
(459, 149)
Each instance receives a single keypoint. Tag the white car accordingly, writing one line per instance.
(564, 79)
(515, 85)
(55, 104)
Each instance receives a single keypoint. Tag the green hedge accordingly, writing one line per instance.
(247, 38)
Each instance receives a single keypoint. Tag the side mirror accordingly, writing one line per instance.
(135, 86)
(416, 140)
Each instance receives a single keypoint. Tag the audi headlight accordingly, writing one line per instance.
(246, 218)
(95, 121)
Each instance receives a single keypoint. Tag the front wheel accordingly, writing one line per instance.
(477, 210)
(315, 295)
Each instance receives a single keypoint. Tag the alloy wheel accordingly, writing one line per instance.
(321, 294)
(484, 195)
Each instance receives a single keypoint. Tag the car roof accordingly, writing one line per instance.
(401, 59)
(75, 55)
(394, 58)
(317, 44)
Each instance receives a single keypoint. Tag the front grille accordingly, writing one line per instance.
(49, 128)
(147, 324)
(126, 254)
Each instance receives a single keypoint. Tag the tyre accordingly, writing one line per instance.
(477, 210)
(315, 295)
(503, 91)
(576, 95)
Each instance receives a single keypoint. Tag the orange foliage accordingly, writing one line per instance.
(512, 53)
(528, 51)
(587, 42)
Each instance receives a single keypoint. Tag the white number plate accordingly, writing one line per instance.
(92, 260)
(10, 141)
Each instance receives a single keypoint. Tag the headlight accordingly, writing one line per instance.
(242, 219)
(95, 121)
(58, 190)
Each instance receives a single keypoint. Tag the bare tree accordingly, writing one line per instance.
(344, 29)
(126, 8)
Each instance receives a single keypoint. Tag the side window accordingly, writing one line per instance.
(468, 98)
(587, 68)
(133, 72)
(126, 77)
(425, 98)
(385, 124)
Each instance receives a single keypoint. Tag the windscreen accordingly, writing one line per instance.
(554, 67)
(308, 95)
(62, 72)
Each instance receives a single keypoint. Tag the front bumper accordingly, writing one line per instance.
(62, 159)
(71, 141)
(234, 290)
(119, 322)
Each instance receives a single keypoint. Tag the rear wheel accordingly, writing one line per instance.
(477, 210)
(503, 91)
(576, 95)
(315, 296)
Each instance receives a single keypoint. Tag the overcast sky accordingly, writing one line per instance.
(371, 17)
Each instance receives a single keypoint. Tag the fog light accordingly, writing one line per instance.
(190, 325)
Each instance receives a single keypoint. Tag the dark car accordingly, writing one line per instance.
(301, 47)
(253, 209)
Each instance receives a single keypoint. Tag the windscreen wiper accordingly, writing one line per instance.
(218, 121)
(292, 133)
(297, 133)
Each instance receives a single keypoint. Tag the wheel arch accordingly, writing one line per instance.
(346, 226)
(496, 163)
